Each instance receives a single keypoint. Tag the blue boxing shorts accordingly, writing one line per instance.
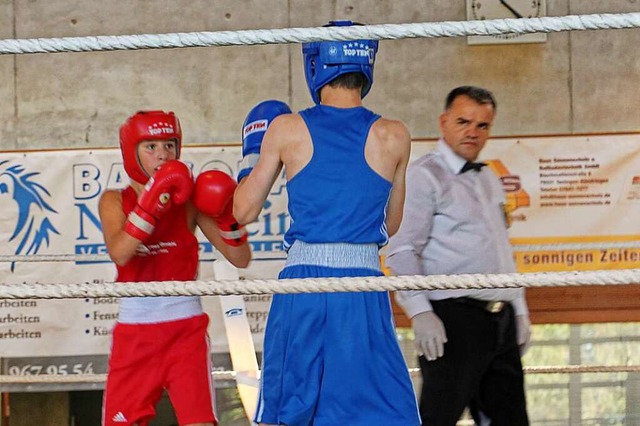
(333, 358)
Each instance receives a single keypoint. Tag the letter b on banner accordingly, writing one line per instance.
(85, 181)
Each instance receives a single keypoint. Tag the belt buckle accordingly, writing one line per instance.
(495, 306)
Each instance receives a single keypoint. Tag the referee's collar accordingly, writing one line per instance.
(453, 160)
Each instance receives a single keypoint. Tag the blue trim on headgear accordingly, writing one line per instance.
(326, 60)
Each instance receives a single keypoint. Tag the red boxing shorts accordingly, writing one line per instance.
(148, 358)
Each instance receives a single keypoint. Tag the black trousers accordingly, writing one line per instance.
(480, 369)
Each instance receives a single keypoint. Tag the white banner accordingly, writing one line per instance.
(581, 191)
(49, 205)
(560, 190)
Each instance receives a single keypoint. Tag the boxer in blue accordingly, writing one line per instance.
(331, 359)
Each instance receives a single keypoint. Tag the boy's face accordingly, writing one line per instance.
(153, 154)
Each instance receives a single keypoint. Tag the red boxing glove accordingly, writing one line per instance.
(213, 196)
(172, 184)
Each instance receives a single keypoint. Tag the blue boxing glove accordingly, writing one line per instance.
(253, 130)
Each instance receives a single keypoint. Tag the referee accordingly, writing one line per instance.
(470, 341)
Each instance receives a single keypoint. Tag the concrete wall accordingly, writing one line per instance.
(576, 82)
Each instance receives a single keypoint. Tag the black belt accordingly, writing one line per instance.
(491, 306)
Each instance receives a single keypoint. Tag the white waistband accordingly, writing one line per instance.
(146, 310)
(334, 255)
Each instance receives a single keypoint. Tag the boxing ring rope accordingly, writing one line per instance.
(233, 375)
(301, 35)
(517, 248)
(319, 285)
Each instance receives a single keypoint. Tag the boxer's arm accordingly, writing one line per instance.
(400, 143)
(253, 190)
(238, 256)
(171, 185)
(120, 245)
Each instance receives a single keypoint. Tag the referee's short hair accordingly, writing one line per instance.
(478, 94)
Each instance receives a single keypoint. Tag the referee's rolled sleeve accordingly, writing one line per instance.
(413, 302)
(403, 260)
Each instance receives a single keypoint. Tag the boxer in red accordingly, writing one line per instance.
(161, 343)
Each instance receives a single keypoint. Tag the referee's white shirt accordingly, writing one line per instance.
(453, 223)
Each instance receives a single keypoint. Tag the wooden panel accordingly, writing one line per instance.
(574, 305)
(584, 304)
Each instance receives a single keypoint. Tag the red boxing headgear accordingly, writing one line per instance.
(146, 125)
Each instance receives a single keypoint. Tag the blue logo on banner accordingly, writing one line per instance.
(32, 226)
(233, 312)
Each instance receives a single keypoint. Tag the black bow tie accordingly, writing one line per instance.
(472, 166)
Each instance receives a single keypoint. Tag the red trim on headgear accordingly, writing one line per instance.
(146, 125)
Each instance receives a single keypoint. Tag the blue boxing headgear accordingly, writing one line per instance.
(326, 60)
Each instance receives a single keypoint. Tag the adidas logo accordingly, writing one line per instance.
(119, 418)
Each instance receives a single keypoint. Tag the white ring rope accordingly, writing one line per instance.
(232, 375)
(602, 245)
(84, 378)
(301, 35)
(76, 258)
(559, 369)
(605, 245)
(316, 285)
(573, 369)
